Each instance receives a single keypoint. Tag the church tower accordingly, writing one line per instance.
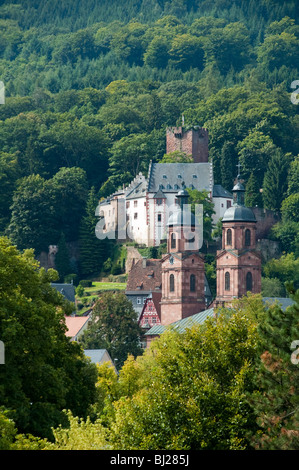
(238, 262)
(182, 267)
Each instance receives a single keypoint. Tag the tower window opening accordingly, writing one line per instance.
(249, 281)
(229, 237)
(171, 283)
(227, 281)
(173, 241)
(247, 237)
(192, 283)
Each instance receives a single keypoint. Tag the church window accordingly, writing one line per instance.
(192, 283)
(159, 217)
(227, 281)
(173, 241)
(247, 237)
(171, 283)
(229, 237)
(249, 281)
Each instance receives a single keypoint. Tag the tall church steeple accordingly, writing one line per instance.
(238, 262)
(182, 267)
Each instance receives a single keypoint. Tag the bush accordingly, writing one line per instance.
(85, 283)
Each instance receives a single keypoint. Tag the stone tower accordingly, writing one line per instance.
(193, 141)
(182, 267)
(238, 262)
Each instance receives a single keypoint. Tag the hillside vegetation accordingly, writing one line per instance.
(91, 87)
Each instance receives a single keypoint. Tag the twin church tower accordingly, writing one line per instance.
(238, 263)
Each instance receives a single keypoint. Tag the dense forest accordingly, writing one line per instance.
(91, 87)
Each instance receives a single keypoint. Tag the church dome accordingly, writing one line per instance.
(182, 216)
(238, 214)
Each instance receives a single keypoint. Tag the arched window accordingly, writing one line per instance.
(229, 237)
(249, 281)
(171, 283)
(173, 240)
(247, 237)
(192, 283)
(227, 281)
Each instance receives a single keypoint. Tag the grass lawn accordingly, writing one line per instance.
(106, 286)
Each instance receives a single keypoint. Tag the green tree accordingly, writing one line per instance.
(227, 165)
(157, 52)
(44, 372)
(182, 400)
(69, 193)
(275, 182)
(93, 251)
(62, 259)
(252, 193)
(113, 327)
(277, 379)
(32, 223)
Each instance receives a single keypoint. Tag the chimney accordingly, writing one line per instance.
(144, 262)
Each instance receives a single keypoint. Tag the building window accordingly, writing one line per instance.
(247, 237)
(173, 240)
(159, 202)
(192, 283)
(229, 237)
(135, 215)
(227, 281)
(159, 218)
(249, 281)
(135, 203)
(171, 283)
(228, 204)
(138, 300)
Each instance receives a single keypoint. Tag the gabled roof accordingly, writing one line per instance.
(220, 191)
(156, 298)
(283, 302)
(75, 325)
(199, 318)
(148, 278)
(67, 290)
(182, 325)
(171, 177)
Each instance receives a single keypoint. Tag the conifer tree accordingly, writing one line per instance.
(252, 193)
(91, 248)
(275, 182)
(226, 165)
(277, 401)
(62, 259)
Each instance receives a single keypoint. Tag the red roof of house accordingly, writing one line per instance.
(145, 277)
(74, 325)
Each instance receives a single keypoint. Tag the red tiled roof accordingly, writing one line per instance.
(148, 278)
(74, 325)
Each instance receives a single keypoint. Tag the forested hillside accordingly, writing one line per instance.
(91, 87)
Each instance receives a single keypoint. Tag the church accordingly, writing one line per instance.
(238, 266)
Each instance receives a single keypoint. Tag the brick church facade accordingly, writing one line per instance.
(238, 263)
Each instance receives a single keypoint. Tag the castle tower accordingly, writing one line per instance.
(182, 267)
(194, 141)
(238, 262)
